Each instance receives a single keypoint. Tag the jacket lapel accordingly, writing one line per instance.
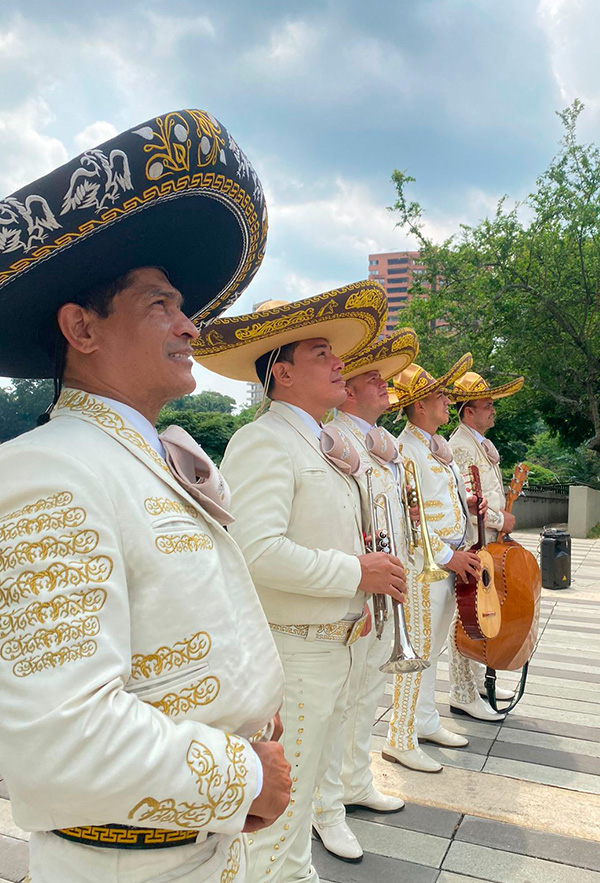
(84, 406)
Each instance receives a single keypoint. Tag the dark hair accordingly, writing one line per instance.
(463, 405)
(409, 410)
(283, 354)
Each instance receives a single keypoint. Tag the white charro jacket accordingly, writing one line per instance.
(297, 520)
(469, 452)
(444, 494)
(135, 660)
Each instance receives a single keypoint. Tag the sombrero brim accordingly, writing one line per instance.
(175, 192)
(389, 356)
(444, 382)
(498, 392)
(349, 318)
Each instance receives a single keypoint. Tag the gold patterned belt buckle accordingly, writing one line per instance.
(125, 837)
(356, 630)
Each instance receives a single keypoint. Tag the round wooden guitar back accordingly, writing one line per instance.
(518, 583)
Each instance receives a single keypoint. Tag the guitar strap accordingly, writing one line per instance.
(490, 686)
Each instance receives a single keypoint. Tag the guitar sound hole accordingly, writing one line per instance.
(485, 578)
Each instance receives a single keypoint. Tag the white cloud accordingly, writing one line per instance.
(95, 133)
(292, 42)
(27, 153)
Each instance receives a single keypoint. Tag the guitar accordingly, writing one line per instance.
(515, 489)
(477, 599)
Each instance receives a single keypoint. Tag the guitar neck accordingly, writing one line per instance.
(476, 487)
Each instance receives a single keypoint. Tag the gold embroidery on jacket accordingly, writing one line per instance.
(167, 658)
(78, 401)
(56, 576)
(223, 790)
(170, 542)
(54, 521)
(234, 860)
(63, 498)
(58, 607)
(159, 505)
(49, 547)
(47, 638)
(203, 692)
(54, 660)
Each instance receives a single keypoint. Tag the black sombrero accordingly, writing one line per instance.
(174, 192)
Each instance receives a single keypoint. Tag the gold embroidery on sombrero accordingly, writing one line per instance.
(58, 607)
(12, 530)
(166, 658)
(57, 576)
(203, 692)
(78, 401)
(55, 660)
(234, 859)
(172, 543)
(223, 793)
(369, 297)
(266, 329)
(61, 499)
(160, 505)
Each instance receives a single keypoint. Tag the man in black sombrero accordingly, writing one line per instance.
(135, 662)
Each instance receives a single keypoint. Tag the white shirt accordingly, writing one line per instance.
(477, 435)
(138, 421)
(305, 417)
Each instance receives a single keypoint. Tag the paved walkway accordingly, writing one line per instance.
(521, 804)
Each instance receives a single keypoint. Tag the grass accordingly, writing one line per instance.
(594, 533)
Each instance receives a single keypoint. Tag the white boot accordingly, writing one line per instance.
(445, 737)
(339, 841)
(378, 802)
(478, 708)
(413, 758)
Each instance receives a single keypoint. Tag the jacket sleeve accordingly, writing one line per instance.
(77, 748)
(260, 473)
(464, 459)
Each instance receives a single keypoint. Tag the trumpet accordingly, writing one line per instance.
(403, 657)
(430, 573)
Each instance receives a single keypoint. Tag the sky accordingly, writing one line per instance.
(325, 98)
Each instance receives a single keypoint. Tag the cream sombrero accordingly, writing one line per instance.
(415, 383)
(389, 356)
(349, 318)
(472, 386)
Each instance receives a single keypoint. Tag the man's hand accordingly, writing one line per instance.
(509, 521)
(277, 784)
(464, 565)
(383, 574)
(277, 728)
(472, 506)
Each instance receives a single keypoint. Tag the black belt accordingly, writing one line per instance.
(125, 837)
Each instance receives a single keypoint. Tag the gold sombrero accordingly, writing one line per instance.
(415, 383)
(389, 356)
(472, 386)
(349, 318)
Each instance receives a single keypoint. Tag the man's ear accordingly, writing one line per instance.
(78, 326)
(281, 374)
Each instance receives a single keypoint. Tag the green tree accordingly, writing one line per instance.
(21, 403)
(207, 401)
(521, 290)
(211, 430)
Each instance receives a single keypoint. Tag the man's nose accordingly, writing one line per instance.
(187, 327)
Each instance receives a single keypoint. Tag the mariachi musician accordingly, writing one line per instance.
(349, 781)
(414, 715)
(474, 399)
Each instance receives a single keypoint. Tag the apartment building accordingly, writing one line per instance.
(396, 271)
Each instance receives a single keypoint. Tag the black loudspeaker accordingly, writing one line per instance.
(555, 558)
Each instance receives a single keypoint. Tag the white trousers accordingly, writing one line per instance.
(348, 778)
(316, 683)
(220, 859)
(430, 611)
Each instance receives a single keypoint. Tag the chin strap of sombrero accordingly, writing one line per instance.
(264, 404)
(60, 353)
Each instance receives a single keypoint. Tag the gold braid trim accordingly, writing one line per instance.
(167, 658)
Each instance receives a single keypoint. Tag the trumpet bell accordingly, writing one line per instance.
(431, 573)
(404, 666)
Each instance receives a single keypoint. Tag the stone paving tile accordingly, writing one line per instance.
(459, 758)
(446, 877)
(510, 838)
(566, 760)
(506, 867)
(7, 823)
(555, 728)
(546, 740)
(372, 868)
(399, 843)
(545, 775)
(3, 790)
(558, 626)
(526, 710)
(549, 670)
(14, 858)
(415, 817)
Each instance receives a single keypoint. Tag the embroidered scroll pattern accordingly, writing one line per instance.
(222, 788)
(203, 692)
(50, 553)
(161, 506)
(170, 543)
(167, 658)
(234, 861)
